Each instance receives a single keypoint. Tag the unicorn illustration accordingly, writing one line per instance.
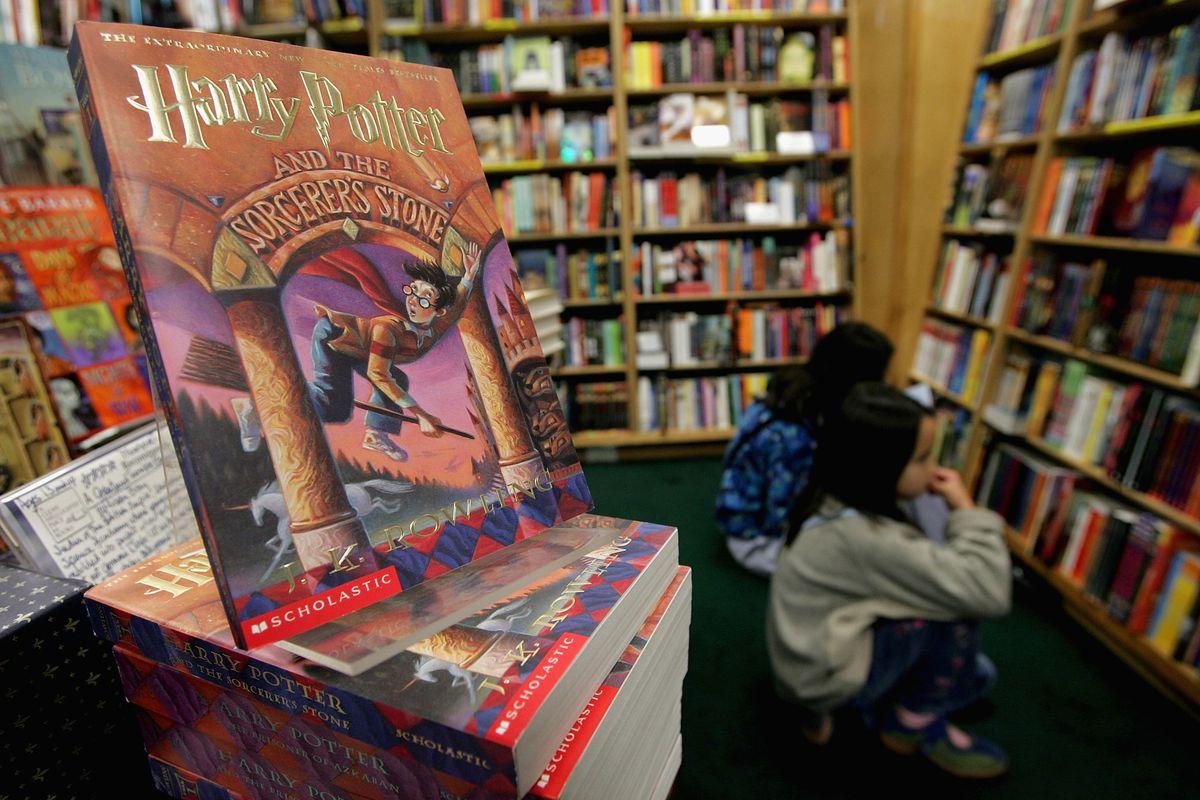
(365, 497)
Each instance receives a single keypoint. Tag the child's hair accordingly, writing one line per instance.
(851, 353)
(861, 452)
(436, 277)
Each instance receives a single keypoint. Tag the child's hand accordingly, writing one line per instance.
(949, 484)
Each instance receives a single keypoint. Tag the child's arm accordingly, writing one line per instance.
(969, 576)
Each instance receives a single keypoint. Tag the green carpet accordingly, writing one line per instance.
(1076, 722)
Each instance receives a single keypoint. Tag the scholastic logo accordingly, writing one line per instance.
(312, 611)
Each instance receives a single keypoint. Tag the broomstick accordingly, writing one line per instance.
(387, 412)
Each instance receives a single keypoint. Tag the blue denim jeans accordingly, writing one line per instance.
(926, 667)
(332, 386)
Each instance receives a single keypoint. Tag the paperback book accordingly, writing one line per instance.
(332, 317)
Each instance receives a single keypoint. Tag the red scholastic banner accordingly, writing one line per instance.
(307, 614)
(574, 745)
(535, 689)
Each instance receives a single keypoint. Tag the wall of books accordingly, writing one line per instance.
(1061, 332)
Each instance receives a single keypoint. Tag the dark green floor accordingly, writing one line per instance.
(1075, 721)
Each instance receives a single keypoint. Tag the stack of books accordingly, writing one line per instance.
(684, 339)
(1156, 196)
(971, 279)
(1010, 107)
(528, 64)
(1133, 78)
(952, 357)
(636, 8)
(1160, 328)
(467, 12)
(763, 332)
(597, 406)
(430, 612)
(576, 275)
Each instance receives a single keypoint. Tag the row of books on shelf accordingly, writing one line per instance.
(576, 202)
(990, 197)
(584, 274)
(811, 195)
(553, 135)
(1008, 107)
(517, 64)
(696, 404)
(1155, 196)
(1132, 77)
(739, 53)
(636, 8)
(475, 12)
(757, 334)
(1015, 22)
(952, 357)
(822, 264)
(594, 342)
(684, 123)
(1145, 438)
(971, 279)
(1143, 572)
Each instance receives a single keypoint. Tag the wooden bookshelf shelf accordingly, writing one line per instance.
(542, 238)
(1118, 244)
(749, 159)
(654, 24)
(965, 319)
(986, 148)
(476, 101)
(1188, 123)
(593, 302)
(731, 229)
(1118, 18)
(724, 297)
(1032, 52)
(750, 88)
(495, 30)
(721, 366)
(1116, 364)
(1132, 649)
(976, 233)
(587, 370)
(520, 167)
(623, 438)
(943, 392)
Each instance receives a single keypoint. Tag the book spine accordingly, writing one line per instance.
(124, 242)
(335, 709)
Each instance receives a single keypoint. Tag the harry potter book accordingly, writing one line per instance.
(351, 375)
(201, 727)
(485, 700)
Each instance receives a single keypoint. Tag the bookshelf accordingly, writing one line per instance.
(1081, 31)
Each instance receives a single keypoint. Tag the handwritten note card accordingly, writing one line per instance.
(102, 513)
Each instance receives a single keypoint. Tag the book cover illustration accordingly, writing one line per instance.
(472, 688)
(354, 384)
(41, 138)
(60, 273)
(31, 441)
(181, 705)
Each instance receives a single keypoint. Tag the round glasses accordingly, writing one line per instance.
(423, 301)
